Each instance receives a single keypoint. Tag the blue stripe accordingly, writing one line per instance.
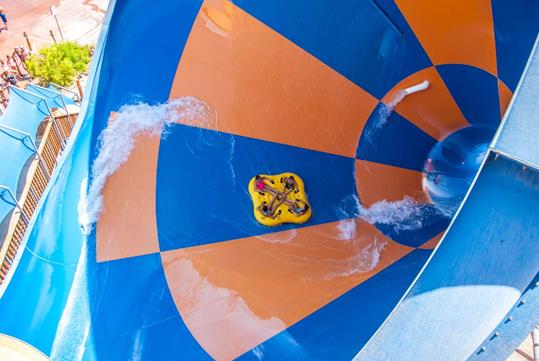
(366, 41)
(165, 341)
(475, 91)
(143, 313)
(32, 316)
(431, 222)
(516, 24)
(340, 329)
(132, 74)
(202, 180)
(395, 142)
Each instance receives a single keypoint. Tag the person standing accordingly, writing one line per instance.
(8, 75)
(3, 16)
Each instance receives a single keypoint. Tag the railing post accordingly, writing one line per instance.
(27, 41)
(12, 59)
(52, 36)
(79, 87)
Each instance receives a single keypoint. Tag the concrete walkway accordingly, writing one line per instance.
(80, 20)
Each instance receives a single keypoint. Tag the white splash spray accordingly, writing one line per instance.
(386, 109)
(369, 257)
(74, 326)
(279, 237)
(347, 229)
(117, 141)
(258, 351)
(231, 160)
(403, 215)
(383, 114)
(82, 207)
(364, 260)
(366, 252)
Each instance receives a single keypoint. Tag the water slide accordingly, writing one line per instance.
(422, 243)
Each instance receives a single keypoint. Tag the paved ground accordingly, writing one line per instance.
(80, 20)
(524, 352)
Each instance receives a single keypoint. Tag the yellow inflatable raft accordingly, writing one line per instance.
(279, 199)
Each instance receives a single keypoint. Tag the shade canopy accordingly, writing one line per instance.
(16, 148)
(53, 97)
(25, 111)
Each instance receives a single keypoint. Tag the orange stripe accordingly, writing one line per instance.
(127, 226)
(454, 32)
(376, 182)
(234, 295)
(263, 86)
(433, 110)
(433, 242)
(505, 97)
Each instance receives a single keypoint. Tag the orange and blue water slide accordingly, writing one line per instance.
(423, 239)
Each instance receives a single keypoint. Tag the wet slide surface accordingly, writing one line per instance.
(197, 97)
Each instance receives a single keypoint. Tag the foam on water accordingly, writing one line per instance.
(231, 154)
(117, 141)
(386, 109)
(227, 307)
(366, 259)
(448, 209)
(279, 237)
(405, 214)
(366, 252)
(82, 207)
(347, 229)
(258, 351)
(384, 112)
(74, 326)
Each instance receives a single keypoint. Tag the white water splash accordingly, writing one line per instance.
(117, 141)
(200, 300)
(82, 207)
(347, 229)
(279, 237)
(366, 255)
(231, 154)
(138, 344)
(448, 209)
(383, 114)
(386, 109)
(404, 215)
(74, 326)
(258, 351)
(365, 260)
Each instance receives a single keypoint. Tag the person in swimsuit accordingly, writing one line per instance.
(3, 16)
(269, 210)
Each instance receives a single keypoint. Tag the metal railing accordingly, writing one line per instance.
(48, 152)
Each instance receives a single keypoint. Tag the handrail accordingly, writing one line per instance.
(49, 111)
(76, 97)
(25, 134)
(38, 176)
(14, 198)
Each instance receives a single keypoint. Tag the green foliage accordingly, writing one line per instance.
(59, 63)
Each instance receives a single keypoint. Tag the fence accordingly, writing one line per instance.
(53, 138)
